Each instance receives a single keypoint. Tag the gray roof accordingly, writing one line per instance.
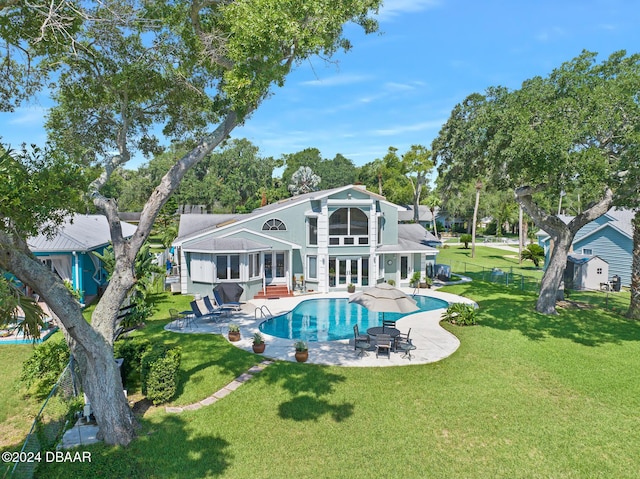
(581, 258)
(412, 238)
(195, 224)
(424, 214)
(620, 219)
(225, 245)
(80, 233)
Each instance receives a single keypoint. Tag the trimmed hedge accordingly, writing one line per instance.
(159, 368)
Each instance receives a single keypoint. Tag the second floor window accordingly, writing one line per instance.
(348, 226)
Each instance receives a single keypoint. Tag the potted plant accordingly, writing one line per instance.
(302, 351)
(415, 279)
(258, 343)
(234, 332)
(426, 282)
(351, 288)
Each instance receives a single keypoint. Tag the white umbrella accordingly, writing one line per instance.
(384, 298)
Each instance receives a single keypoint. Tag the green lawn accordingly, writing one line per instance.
(525, 396)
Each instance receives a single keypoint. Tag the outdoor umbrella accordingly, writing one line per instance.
(384, 298)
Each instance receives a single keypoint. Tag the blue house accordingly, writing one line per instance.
(320, 241)
(609, 237)
(70, 252)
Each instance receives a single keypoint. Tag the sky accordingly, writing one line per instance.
(397, 87)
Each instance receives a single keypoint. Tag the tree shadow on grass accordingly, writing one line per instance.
(165, 449)
(510, 309)
(307, 384)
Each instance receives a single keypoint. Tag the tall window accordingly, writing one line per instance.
(312, 270)
(313, 231)
(227, 266)
(274, 224)
(254, 268)
(404, 267)
(348, 226)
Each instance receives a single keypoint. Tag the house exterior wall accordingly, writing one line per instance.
(612, 246)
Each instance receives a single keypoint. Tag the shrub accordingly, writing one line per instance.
(461, 314)
(162, 379)
(131, 351)
(41, 371)
(159, 372)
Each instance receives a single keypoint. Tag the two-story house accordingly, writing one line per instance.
(320, 241)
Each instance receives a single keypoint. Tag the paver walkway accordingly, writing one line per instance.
(232, 386)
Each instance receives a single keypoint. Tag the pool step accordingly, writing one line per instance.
(273, 292)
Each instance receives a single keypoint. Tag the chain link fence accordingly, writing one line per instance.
(529, 280)
(55, 416)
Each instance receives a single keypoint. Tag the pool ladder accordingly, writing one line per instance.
(263, 314)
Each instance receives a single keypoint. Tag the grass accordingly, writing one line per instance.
(525, 396)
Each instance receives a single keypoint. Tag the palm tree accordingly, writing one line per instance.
(534, 253)
(433, 201)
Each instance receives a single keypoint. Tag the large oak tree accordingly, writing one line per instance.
(129, 70)
(576, 129)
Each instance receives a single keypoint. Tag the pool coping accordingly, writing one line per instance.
(433, 343)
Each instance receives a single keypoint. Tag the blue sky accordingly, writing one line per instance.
(398, 87)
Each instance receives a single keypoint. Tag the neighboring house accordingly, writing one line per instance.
(609, 237)
(69, 253)
(326, 239)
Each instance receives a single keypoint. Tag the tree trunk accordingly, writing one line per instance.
(433, 218)
(94, 353)
(634, 304)
(520, 238)
(562, 236)
(475, 220)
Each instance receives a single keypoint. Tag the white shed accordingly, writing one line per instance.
(585, 272)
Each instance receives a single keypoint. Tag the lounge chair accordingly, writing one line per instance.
(232, 306)
(200, 311)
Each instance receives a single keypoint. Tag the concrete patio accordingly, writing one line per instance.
(432, 342)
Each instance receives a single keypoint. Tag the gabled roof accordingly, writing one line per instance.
(79, 233)
(582, 258)
(206, 225)
(424, 213)
(619, 219)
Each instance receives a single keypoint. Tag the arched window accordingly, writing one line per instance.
(274, 225)
(348, 226)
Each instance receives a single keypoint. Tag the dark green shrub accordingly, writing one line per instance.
(162, 378)
(131, 351)
(41, 371)
(461, 314)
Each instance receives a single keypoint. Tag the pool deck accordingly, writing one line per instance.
(432, 342)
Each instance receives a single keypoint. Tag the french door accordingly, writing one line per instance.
(275, 270)
(348, 270)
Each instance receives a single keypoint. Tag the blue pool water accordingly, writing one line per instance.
(330, 319)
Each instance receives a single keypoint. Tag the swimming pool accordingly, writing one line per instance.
(330, 319)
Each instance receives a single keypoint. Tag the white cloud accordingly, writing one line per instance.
(394, 8)
(337, 80)
(33, 116)
(400, 129)
(550, 34)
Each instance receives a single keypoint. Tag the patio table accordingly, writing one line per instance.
(393, 332)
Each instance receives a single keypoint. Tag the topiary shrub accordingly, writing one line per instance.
(461, 314)
(162, 377)
(159, 372)
(466, 239)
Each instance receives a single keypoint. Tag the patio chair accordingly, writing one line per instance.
(362, 342)
(388, 323)
(232, 306)
(359, 337)
(211, 308)
(176, 319)
(405, 344)
(383, 345)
